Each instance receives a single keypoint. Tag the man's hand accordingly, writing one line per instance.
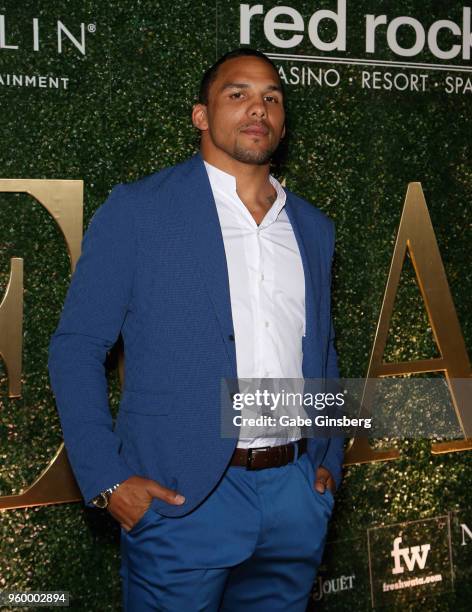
(132, 498)
(324, 480)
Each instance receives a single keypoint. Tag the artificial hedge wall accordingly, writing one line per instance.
(351, 151)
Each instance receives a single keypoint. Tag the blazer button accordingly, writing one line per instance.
(231, 337)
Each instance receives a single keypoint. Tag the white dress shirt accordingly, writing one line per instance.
(267, 289)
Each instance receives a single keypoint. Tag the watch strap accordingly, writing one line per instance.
(102, 499)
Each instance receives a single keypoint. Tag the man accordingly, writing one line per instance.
(210, 270)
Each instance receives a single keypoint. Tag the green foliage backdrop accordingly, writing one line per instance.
(352, 152)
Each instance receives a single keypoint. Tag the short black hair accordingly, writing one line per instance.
(210, 74)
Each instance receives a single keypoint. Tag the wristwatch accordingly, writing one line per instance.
(102, 499)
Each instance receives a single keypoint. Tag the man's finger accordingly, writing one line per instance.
(167, 495)
(331, 485)
(320, 484)
(324, 480)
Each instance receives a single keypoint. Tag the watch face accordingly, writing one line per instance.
(101, 501)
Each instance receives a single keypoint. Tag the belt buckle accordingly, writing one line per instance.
(250, 457)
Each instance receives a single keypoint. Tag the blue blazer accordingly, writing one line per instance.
(153, 267)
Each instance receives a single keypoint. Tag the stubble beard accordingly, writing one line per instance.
(259, 158)
(249, 156)
(246, 155)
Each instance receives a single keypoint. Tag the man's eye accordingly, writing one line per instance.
(271, 99)
(236, 95)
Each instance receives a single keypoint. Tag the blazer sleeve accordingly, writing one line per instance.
(333, 458)
(94, 311)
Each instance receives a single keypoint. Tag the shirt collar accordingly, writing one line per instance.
(223, 182)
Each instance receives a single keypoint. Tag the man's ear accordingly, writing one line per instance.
(199, 117)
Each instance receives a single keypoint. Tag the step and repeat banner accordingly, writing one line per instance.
(378, 97)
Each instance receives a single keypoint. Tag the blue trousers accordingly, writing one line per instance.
(253, 545)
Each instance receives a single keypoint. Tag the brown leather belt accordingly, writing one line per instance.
(267, 456)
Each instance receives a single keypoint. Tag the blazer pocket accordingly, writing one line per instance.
(150, 403)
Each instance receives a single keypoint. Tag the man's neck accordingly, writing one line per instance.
(252, 180)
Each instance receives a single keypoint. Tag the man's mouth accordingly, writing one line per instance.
(256, 129)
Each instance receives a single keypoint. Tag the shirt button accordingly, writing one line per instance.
(266, 323)
(262, 276)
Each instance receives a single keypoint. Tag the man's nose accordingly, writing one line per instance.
(258, 108)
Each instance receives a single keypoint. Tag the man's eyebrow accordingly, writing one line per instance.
(234, 86)
(246, 86)
(274, 88)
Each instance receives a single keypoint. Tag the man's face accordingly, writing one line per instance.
(244, 118)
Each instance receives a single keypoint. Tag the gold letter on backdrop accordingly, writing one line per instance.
(416, 234)
(11, 327)
(64, 202)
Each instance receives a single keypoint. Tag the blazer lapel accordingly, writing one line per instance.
(194, 197)
(301, 225)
